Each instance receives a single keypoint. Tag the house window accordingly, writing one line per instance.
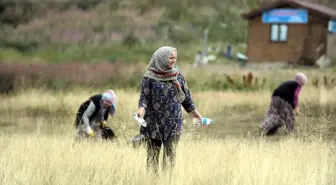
(279, 32)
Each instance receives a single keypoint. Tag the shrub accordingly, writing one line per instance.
(249, 82)
(328, 84)
(6, 83)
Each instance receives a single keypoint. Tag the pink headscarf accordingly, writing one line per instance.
(109, 98)
(301, 78)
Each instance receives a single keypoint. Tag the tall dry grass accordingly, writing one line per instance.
(37, 147)
(229, 109)
(40, 159)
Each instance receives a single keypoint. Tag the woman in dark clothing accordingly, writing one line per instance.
(92, 115)
(141, 138)
(283, 104)
(163, 91)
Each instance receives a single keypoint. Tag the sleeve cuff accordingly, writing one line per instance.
(191, 109)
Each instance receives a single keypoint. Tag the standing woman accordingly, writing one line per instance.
(284, 103)
(141, 138)
(163, 91)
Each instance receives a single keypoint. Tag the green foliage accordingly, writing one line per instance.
(135, 53)
(18, 12)
(181, 35)
(90, 54)
(63, 34)
(66, 30)
(22, 46)
(7, 82)
(130, 40)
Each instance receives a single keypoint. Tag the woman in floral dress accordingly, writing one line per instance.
(163, 91)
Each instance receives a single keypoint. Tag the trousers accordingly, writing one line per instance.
(169, 153)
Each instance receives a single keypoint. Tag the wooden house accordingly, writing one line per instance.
(289, 31)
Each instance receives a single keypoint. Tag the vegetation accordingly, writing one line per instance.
(52, 160)
(326, 83)
(95, 30)
(70, 31)
(55, 55)
(230, 151)
(16, 77)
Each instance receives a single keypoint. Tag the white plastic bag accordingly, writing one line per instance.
(140, 121)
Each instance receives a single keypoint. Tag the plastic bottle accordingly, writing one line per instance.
(140, 121)
(202, 121)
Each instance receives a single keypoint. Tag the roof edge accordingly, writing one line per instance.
(256, 12)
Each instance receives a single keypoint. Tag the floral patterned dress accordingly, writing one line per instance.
(163, 111)
(280, 113)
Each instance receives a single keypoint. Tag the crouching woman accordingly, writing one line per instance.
(92, 115)
(283, 104)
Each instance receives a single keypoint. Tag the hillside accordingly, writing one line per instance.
(110, 29)
(91, 30)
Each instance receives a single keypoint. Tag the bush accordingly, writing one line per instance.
(130, 40)
(7, 83)
(18, 12)
(328, 84)
(22, 46)
(181, 35)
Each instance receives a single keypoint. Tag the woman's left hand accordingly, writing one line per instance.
(196, 114)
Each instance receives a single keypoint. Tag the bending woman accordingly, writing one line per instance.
(284, 103)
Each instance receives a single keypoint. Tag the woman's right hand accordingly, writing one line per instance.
(141, 112)
(297, 111)
(196, 114)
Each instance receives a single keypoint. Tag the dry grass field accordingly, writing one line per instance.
(36, 142)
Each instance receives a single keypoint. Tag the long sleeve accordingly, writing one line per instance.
(296, 96)
(144, 93)
(88, 112)
(188, 103)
